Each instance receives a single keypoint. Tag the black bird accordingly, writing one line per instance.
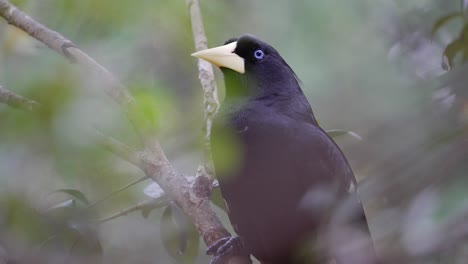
(287, 182)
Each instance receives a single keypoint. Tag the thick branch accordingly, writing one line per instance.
(192, 198)
(10, 98)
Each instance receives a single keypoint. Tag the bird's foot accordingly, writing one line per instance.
(225, 248)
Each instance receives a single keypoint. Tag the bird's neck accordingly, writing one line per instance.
(243, 87)
(282, 94)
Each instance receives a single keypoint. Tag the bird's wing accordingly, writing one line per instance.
(283, 162)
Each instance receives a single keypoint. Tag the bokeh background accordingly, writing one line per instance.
(375, 68)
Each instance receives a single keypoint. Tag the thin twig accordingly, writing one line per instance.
(14, 100)
(120, 149)
(109, 195)
(207, 80)
(211, 105)
(145, 205)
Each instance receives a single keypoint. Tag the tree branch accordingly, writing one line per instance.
(207, 80)
(211, 105)
(14, 100)
(191, 197)
(64, 47)
(120, 149)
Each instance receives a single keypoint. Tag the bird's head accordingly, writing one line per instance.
(253, 61)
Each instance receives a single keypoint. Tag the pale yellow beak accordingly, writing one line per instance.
(223, 56)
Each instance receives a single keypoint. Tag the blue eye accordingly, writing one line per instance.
(259, 54)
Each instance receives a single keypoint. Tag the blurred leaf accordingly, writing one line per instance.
(153, 109)
(16, 40)
(454, 199)
(72, 228)
(144, 112)
(450, 52)
(86, 239)
(444, 20)
(19, 3)
(226, 150)
(335, 133)
(22, 219)
(74, 193)
(179, 235)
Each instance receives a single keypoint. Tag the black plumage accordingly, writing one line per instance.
(288, 182)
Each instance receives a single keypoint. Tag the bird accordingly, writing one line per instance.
(287, 186)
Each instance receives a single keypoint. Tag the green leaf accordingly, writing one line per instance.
(335, 133)
(444, 20)
(153, 109)
(74, 193)
(144, 111)
(179, 235)
(450, 52)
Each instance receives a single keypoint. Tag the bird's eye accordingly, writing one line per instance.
(259, 54)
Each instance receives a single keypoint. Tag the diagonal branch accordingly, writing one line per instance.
(120, 149)
(64, 47)
(191, 197)
(14, 100)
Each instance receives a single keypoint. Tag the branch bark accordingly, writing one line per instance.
(207, 80)
(14, 100)
(191, 197)
(211, 102)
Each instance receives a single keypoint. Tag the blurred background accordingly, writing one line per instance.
(390, 71)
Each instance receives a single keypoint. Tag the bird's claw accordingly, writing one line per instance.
(226, 247)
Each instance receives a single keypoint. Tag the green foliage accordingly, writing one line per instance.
(66, 225)
(153, 109)
(22, 219)
(225, 149)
